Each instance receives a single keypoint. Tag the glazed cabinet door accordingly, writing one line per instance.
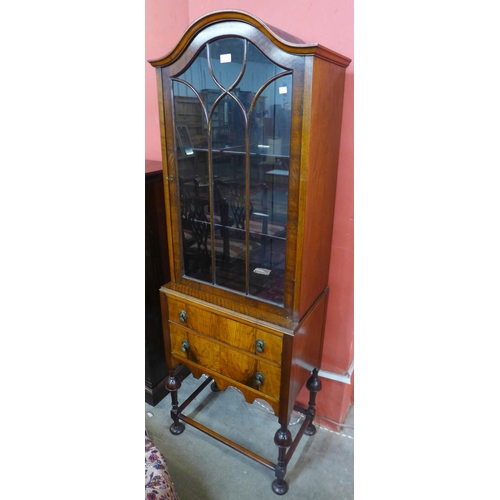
(231, 113)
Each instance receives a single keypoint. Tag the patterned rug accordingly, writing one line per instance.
(159, 485)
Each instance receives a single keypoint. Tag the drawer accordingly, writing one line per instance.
(220, 358)
(236, 333)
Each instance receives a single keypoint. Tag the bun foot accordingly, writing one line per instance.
(214, 387)
(280, 487)
(177, 428)
(310, 430)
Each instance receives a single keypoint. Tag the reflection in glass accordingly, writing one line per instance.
(232, 133)
(227, 57)
(192, 165)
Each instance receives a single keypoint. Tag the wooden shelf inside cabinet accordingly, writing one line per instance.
(251, 137)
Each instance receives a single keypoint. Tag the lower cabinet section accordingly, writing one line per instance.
(262, 360)
(221, 343)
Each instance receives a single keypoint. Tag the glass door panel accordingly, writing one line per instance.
(269, 169)
(193, 175)
(232, 116)
(231, 256)
(227, 59)
(229, 173)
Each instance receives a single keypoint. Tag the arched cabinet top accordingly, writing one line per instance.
(281, 39)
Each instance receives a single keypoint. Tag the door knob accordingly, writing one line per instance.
(185, 346)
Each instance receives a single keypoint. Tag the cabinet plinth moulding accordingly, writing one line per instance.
(250, 128)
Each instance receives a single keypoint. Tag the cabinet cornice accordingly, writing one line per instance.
(280, 38)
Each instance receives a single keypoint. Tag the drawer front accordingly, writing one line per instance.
(241, 367)
(270, 348)
(230, 331)
(201, 350)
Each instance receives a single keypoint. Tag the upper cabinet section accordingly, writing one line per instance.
(236, 106)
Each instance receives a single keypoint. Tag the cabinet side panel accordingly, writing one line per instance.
(322, 164)
(306, 350)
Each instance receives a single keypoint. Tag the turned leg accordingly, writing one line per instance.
(282, 439)
(314, 386)
(173, 384)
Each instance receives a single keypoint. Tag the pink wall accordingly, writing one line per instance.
(329, 23)
(165, 24)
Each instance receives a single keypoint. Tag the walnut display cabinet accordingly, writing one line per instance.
(250, 128)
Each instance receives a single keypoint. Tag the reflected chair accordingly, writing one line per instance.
(232, 200)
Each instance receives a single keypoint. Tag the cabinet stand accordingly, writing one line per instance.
(282, 439)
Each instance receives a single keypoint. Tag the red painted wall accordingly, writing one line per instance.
(329, 23)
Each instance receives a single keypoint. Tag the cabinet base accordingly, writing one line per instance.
(282, 439)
